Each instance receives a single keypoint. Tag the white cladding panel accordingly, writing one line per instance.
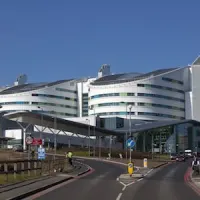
(13, 133)
(195, 92)
(175, 112)
(25, 100)
(188, 105)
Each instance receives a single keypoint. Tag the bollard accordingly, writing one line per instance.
(145, 164)
(130, 168)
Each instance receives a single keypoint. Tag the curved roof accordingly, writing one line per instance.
(126, 77)
(30, 87)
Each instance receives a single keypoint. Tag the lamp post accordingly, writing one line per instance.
(130, 107)
(94, 150)
(55, 138)
(126, 137)
(94, 131)
(41, 121)
(88, 135)
(110, 146)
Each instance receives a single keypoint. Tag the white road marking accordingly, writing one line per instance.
(119, 196)
(122, 183)
(124, 188)
(117, 179)
(140, 179)
(130, 183)
(150, 171)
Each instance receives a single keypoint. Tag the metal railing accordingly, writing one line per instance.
(19, 170)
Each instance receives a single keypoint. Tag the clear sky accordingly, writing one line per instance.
(60, 39)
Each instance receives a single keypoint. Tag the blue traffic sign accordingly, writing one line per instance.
(41, 153)
(130, 143)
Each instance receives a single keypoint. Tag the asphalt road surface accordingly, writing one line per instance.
(101, 184)
(166, 183)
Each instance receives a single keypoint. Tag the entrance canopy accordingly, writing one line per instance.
(60, 124)
(146, 126)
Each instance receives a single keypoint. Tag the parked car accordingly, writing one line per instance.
(173, 156)
(18, 148)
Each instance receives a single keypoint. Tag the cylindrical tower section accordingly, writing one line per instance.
(158, 95)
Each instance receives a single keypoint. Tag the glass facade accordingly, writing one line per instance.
(170, 139)
(172, 80)
(15, 103)
(138, 94)
(112, 95)
(160, 106)
(66, 90)
(53, 104)
(54, 96)
(85, 104)
(160, 115)
(161, 97)
(115, 113)
(114, 104)
(56, 113)
(149, 86)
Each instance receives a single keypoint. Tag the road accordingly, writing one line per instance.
(101, 184)
(164, 183)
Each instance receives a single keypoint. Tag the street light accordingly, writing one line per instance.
(94, 131)
(55, 128)
(41, 121)
(126, 137)
(88, 136)
(130, 107)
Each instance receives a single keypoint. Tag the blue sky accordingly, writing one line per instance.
(60, 39)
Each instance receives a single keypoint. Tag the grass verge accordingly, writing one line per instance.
(9, 178)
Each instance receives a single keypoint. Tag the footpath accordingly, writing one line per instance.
(195, 178)
(27, 188)
(137, 162)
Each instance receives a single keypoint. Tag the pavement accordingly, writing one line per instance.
(167, 182)
(137, 162)
(195, 179)
(26, 188)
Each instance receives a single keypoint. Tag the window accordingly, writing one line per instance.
(115, 104)
(160, 87)
(112, 95)
(66, 90)
(14, 103)
(161, 96)
(119, 122)
(53, 104)
(55, 113)
(123, 94)
(172, 80)
(115, 113)
(160, 115)
(54, 96)
(160, 106)
(198, 133)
